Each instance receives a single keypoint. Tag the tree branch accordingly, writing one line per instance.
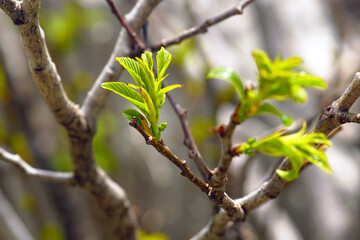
(194, 152)
(161, 147)
(329, 121)
(219, 198)
(107, 194)
(128, 28)
(338, 112)
(42, 67)
(219, 177)
(13, 9)
(11, 223)
(203, 27)
(29, 171)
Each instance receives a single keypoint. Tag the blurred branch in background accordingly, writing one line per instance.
(45, 175)
(11, 225)
(321, 32)
(203, 27)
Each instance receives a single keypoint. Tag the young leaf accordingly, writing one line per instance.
(229, 75)
(132, 67)
(263, 62)
(169, 88)
(151, 97)
(128, 93)
(152, 112)
(267, 108)
(163, 59)
(289, 63)
(147, 77)
(162, 126)
(147, 58)
(130, 114)
(298, 94)
(123, 90)
(297, 147)
(306, 80)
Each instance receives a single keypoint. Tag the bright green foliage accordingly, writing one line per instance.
(142, 235)
(147, 95)
(277, 81)
(65, 25)
(297, 147)
(52, 231)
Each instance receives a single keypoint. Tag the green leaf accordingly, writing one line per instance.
(148, 78)
(279, 81)
(132, 67)
(162, 126)
(263, 62)
(130, 114)
(128, 93)
(229, 75)
(267, 108)
(147, 58)
(152, 111)
(142, 235)
(163, 59)
(123, 90)
(151, 97)
(288, 64)
(298, 147)
(306, 80)
(298, 94)
(169, 88)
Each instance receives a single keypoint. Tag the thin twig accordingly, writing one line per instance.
(194, 152)
(128, 28)
(29, 171)
(164, 150)
(219, 178)
(203, 27)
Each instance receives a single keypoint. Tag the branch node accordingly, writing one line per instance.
(148, 140)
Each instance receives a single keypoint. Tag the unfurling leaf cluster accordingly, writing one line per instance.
(147, 94)
(297, 147)
(277, 80)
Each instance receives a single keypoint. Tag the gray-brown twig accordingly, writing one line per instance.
(194, 152)
(219, 177)
(338, 112)
(219, 198)
(128, 28)
(203, 27)
(29, 171)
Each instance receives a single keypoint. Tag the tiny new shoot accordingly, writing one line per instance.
(277, 80)
(147, 94)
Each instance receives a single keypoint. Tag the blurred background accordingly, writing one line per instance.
(80, 36)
